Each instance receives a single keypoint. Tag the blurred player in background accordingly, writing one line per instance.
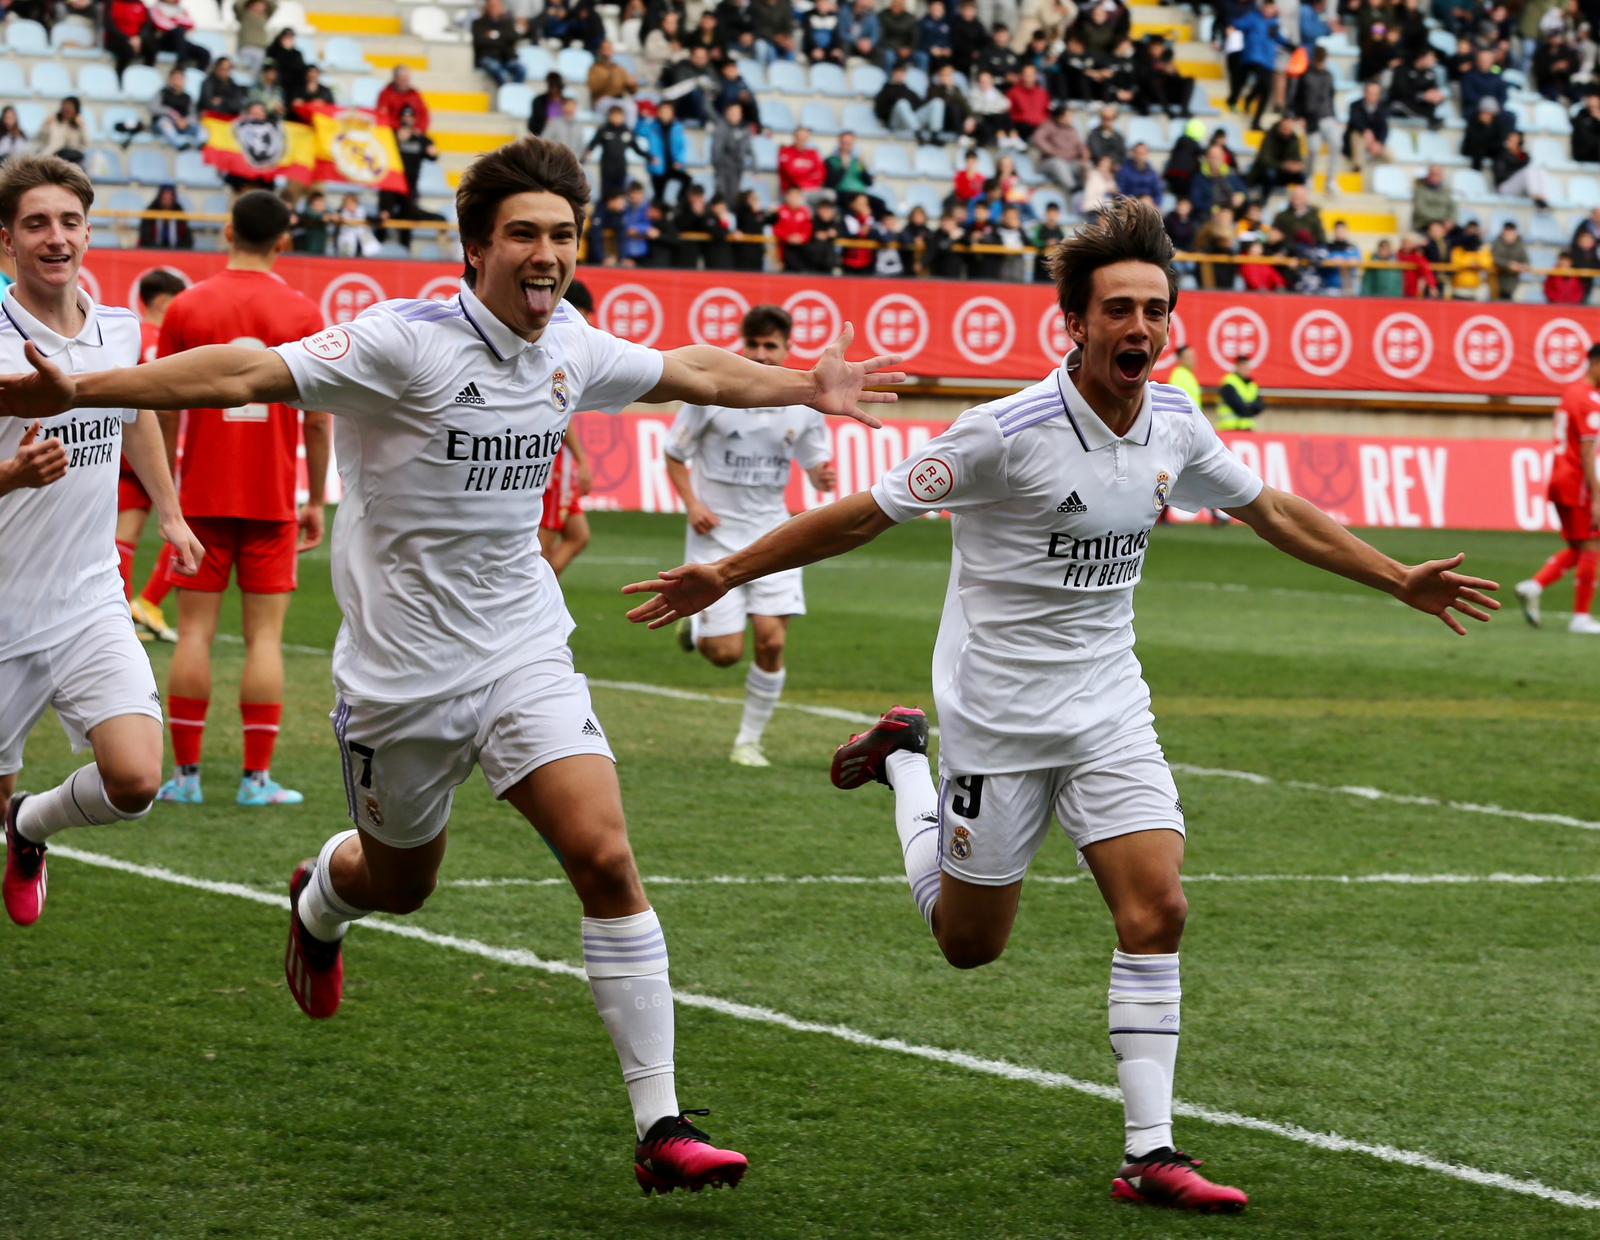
(1042, 704)
(742, 460)
(156, 290)
(453, 653)
(66, 640)
(564, 528)
(240, 469)
(1575, 495)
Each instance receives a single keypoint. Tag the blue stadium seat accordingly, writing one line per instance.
(764, 151)
(698, 144)
(1392, 182)
(917, 79)
(1470, 183)
(149, 165)
(1550, 117)
(431, 180)
(829, 80)
(1581, 192)
(776, 116)
(1443, 42)
(1547, 229)
(787, 77)
(25, 38)
(934, 162)
(111, 116)
(216, 43)
(536, 61)
(1401, 147)
(574, 63)
(194, 81)
(859, 118)
(104, 165)
(193, 171)
(98, 82)
(48, 80)
(891, 160)
(926, 197)
(1553, 153)
(1032, 176)
(514, 100)
(364, 92)
(345, 54)
(217, 202)
(126, 200)
(1044, 197)
(1150, 130)
(754, 74)
(819, 118)
(141, 83)
(867, 80)
(13, 83)
(76, 38)
(1438, 148)
(31, 115)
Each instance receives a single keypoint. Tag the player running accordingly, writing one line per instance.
(66, 640)
(1575, 495)
(1042, 703)
(157, 288)
(564, 527)
(237, 484)
(741, 469)
(453, 652)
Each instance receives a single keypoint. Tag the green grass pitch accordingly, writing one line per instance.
(161, 1082)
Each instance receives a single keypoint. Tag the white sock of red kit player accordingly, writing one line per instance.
(626, 960)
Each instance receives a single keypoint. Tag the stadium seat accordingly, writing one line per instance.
(1402, 147)
(1392, 182)
(140, 83)
(193, 171)
(917, 80)
(985, 159)
(515, 100)
(1550, 117)
(926, 197)
(574, 64)
(764, 152)
(1547, 229)
(788, 78)
(30, 114)
(344, 54)
(1583, 192)
(210, 16)
(698, 143)
(819, 118)
(776, 116)
(536, 61)
(432, 25)
(1043, 198)
(289, 15)
(217, 202)
(150, 166)
(364, 92)
(934, 162)
(111, 117)
(213, 41)
(1438, 148)
(1032, 176)
(13, 83)
(431, 180)
(867, 80)
(126, 200)
(26, 38)
(98, 82)
(829, 80)
(104, 165)
(1551, 152)
(859, 118)
(75, 38)
(1443, 42)
(755, 74)
(1150, 130)
(892, 160)
(49, 80)
(1470, 183)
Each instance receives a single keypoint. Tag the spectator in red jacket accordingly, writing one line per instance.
(130, 35)
(1261, 277)
(792, 228)
(800, 165)
(859, 225)
(1419, 280)
(970, 181)
(400, 94)
(1030, 102)
(1561, 288)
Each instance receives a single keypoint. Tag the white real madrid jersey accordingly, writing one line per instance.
(1052, 515)
(742, 459)
(58, 544)
(448, 423)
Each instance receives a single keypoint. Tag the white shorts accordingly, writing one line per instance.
(991, 826)
(99, 673)
(403, 761)
(781, 594)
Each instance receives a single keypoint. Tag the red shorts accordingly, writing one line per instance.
(131, 495)
(1577, 521)
(561, 496)
(264, 552)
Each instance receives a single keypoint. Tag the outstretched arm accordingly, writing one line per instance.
(1305, 532)
(218, 376)
(819, 534)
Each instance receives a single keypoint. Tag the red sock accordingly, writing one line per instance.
(187, 719)
(1583, 595)
(159, 584)
(261, 721)
(1561, 562)
(125, 567)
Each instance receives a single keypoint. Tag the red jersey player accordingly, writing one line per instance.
(156, 290)
(564, 528)
(238, 478)
(1576, 497)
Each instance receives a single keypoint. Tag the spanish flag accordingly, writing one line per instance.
(260, 150)
(354, 146)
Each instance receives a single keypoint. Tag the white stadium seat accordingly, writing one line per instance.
(149, 165)
(753, 73)
(934, 162)
(73, 37)
(25, 38)
(1394, 183)
(891, 160)
(1470, 183)
(776, 115)
(141, 83)
(830, 80)
(514, 100)
(364, 92)
(788, 77)
(13, 82)
(289, 15)
(49, 80)
(192, 170)
(104, 165)
(536, 61)
(819, 118)
(98, 82)
(867, 80)
(432, 24)
(859, 118)
(344, 54)
(574, 63)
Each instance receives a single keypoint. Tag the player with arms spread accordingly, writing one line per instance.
(742, 459)
(1575, 494)
(237, 483)
(1042, 704)
(453, 652)
(66, 639)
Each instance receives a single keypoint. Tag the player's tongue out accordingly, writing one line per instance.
(539, 295)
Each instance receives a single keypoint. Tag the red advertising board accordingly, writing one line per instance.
(1004, 331)
(1464, 484)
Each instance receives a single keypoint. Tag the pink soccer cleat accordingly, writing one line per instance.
(25, 870)
(862, 757)
(313, 968)
(676, 1154)
(1167, 1177)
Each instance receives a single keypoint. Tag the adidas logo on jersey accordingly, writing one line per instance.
(1072, 504)
(470, 395)
(590, 728)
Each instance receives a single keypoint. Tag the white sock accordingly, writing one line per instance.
(325, 914)
(761, 693)
(81, 801)
(626, 960)
(916, 821)
(1144, 1000)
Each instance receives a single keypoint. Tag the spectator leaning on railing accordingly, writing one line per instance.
(1301, 216)
(1339, 274)
(1472, 264)
(1432, 199)
(1510, 260)
(1561, 287)
(1383, 281)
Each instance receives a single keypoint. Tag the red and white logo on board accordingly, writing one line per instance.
(1320, 342)
(330, 344)
(1484, 347)
(897, 323)
(1402, 345)
(715, 317)
(984, 330)
(348, 295)
(1561, 350)
(1054, 342)
(90, 285)
(133, 289)
(817, 323)
(632, 312)
(1177, 337)
(440, 288)
(1238, 332)
(930, 481)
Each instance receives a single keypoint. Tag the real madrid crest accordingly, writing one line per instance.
(374, 812)
(558, 390)
(961, 843)
(1163, 485)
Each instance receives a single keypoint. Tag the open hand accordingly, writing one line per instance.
(841, 385)
(38, 464)
(678, 592)
(41, 393)
(1437, 589)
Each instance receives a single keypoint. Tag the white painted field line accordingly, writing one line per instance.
(1060, 880)
(521, 958)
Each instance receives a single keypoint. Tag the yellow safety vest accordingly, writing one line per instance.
(1248, 390)
(1183, 377)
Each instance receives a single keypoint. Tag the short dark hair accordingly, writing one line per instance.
(259, 218)
(1594, 352)
(159, 283)
(24, 172)
(766, 321)
(527, 166)
(580, 298)
(1126, 230)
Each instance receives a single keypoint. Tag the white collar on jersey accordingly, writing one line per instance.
(47, 341)
(504, 343)
(1092, 433)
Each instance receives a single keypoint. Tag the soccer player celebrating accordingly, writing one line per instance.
(66, 639)
(453, 652)
(564, 527)
(1575, 494)
(1043, 707)
(157, 288)
(237, 485)
(741, 468)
